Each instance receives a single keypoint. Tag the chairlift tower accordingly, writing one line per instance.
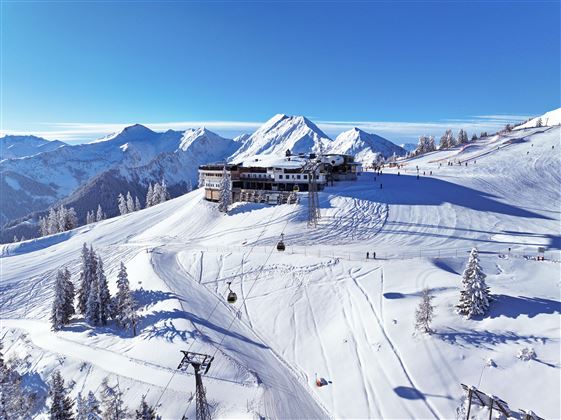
(201, 365)
(313, 201)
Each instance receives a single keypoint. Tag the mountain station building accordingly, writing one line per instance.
(276, 180)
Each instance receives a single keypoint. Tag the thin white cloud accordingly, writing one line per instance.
(397, 131)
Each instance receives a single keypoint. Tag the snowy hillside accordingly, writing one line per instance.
(124, 161)
(280, 133)
(320, 308)
(548, 119)
(364, 146)
(12, 147)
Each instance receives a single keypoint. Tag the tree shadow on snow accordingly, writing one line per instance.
(484, 339)
(162, 326)
(410, 393)
(146, 298)
(514, 306)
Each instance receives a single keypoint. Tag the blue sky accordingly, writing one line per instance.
(76, 70)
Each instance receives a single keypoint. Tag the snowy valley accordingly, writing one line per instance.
(320, 310)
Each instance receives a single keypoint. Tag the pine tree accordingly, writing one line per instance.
(61, 219)
(539, 122)
(52, 222)
(508, 128)
(61, 404)
(99, 215)
(474, 137)
(431, 145)
(130, 203)
(112, 402)
(90, 217)
(125, 306)
(122, 204)
(70, 219)
(87, 275)
(462, 137)
(150, 196)
(63, 304)
(145, 411)
(474, 296)
(164, 195)
(424, 312)
(81, 407)
(225, 192)
(137, 205)
(93, 409)
(445, 139)
(98, 305)
(421, 145)
(16, 402)
(43, 226)
(156, 194)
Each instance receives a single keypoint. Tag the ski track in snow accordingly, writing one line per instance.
(390, 343)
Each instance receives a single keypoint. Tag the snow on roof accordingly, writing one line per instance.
(271, 161)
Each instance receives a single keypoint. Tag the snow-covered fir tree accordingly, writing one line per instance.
(63, 303)
(150, 196)
(431, 145)
(474, 137)
(462, 137)
(539, 122)
(61, 403)
(113, 406)
(424, 312)
(90, 217)
(225, 199)
(58, 220)
(445, 140)
(421, 145)
(87, 274)
(98, 305)
(122, 204)
(124, 304)
(145, 411)
(137, 205)
(130, 203)
(159, 193)
(52, 222)
(16, 402)
(81, 407)
(93, 409)
(474, 296)
(99, 216)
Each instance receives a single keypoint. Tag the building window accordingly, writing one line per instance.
(297, 176)
(305, 176)
(280, 176)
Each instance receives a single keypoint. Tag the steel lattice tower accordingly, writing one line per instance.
(313, 201)
(201, 365)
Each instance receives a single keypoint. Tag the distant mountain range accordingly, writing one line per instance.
(36, 174)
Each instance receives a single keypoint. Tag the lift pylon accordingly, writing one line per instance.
(201, 365)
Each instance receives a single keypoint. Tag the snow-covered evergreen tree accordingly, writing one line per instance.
(43, 226)
(93, 408)
(431, 145)
(125, 306)
(63, 303)
(137, 205)
(98, 305)
(87, 275)
(225, 199)
(421, 145)
(52, 222)
(122, 204)
(164, 194)
(130, 203)
(16, 402)
(424, 312)
(150, 196)
(474, 296)
(61, 404)
(90, 217)
(99, 215)
(445, 140)
(462, 137)
(145, 411)
(81, 407)
(113, 406)
(68, 218)
(474, 137)
(539, 122)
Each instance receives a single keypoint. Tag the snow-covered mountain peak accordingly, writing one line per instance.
(364, 146)
(283, 132)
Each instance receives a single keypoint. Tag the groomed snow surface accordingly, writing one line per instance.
(320, 307)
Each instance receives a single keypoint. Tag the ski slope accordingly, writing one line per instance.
(320, 307)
